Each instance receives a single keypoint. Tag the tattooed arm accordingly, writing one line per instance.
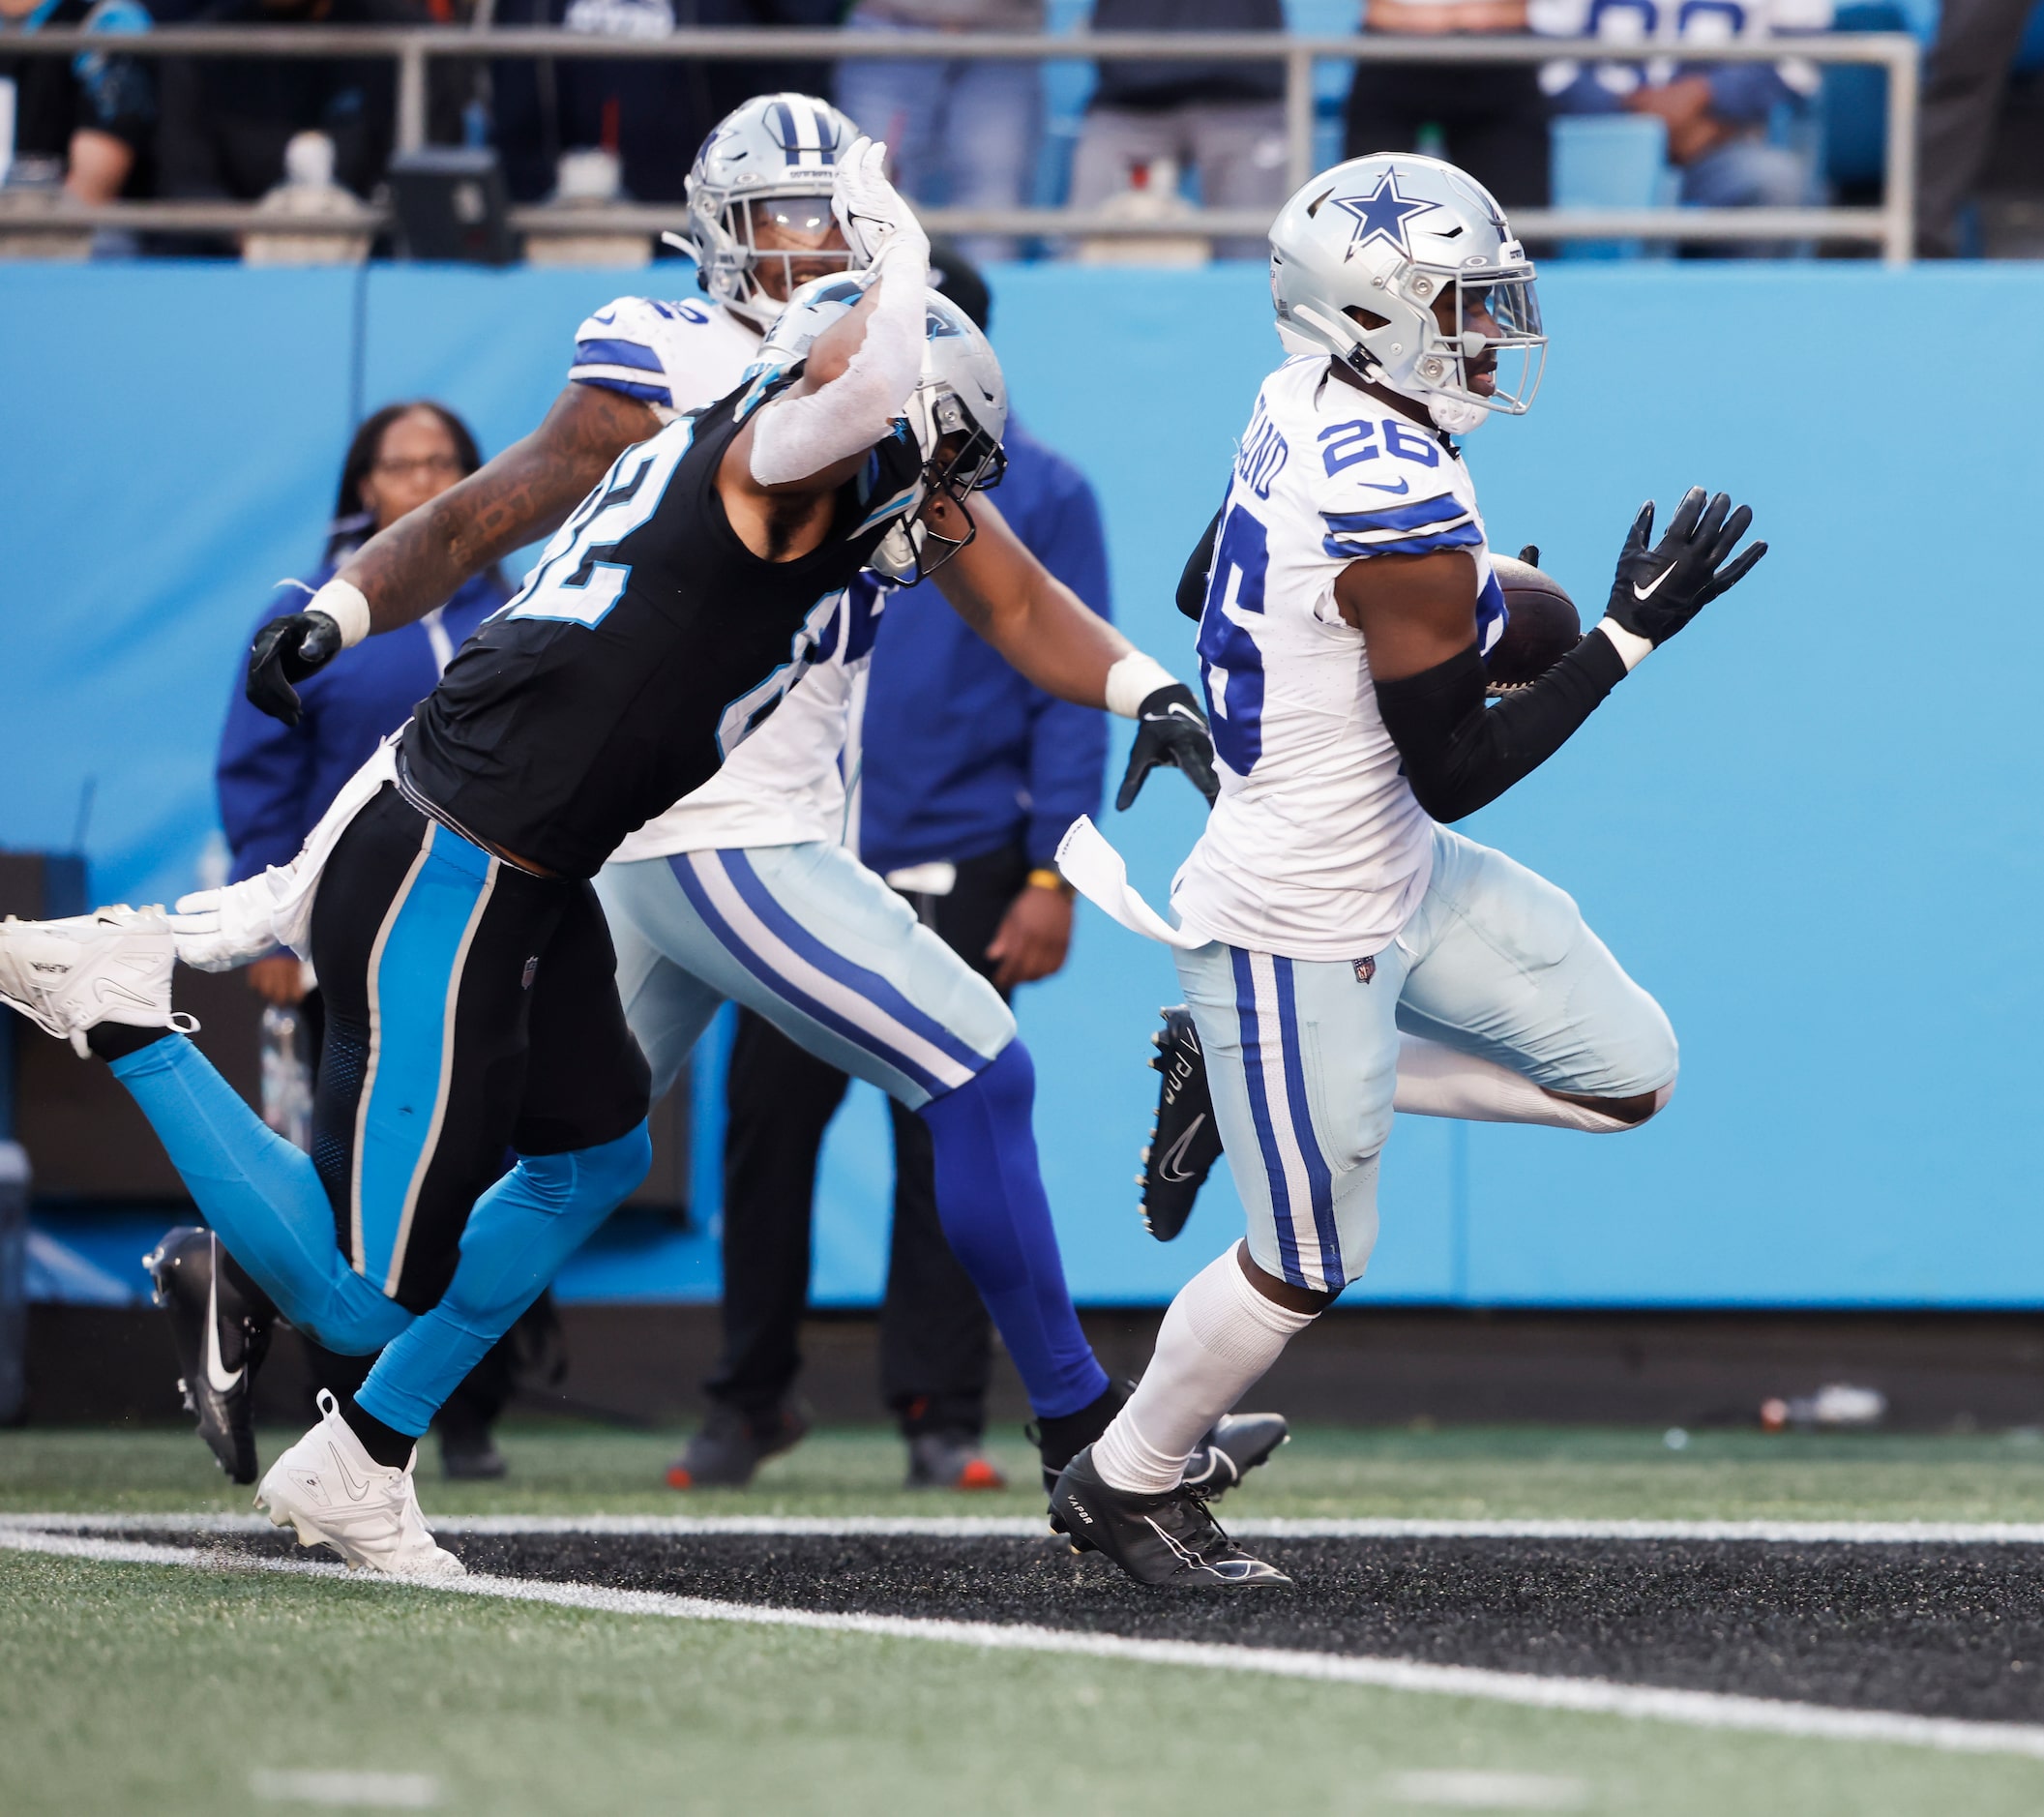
(522, 496)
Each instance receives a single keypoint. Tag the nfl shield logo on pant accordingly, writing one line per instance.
(1364, 970)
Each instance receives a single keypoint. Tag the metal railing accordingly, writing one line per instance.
(1890, 226)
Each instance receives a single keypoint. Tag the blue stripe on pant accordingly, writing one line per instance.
(812, 941)
(414, 984)
(808, 937)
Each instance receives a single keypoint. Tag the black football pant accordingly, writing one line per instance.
(935, 1359)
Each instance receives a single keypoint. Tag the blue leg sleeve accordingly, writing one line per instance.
(261, 1195)
(522, 1231)
(991, 1200)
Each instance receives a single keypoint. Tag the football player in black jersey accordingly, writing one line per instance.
(471, 998)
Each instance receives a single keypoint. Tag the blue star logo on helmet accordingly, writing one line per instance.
(1382, 213)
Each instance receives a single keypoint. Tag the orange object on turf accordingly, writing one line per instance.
(679, 1478)
(980, 1474)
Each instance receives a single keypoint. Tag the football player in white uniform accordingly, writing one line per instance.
(1326, 908)
(744, 890)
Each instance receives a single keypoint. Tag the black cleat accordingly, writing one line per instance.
(1236, 1446)
(730, 1445)
(1166, 1540)
(221, 1340)
(1185, 1142)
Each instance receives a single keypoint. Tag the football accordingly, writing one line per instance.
(1542, 628)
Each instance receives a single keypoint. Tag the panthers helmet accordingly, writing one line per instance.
(776, 148)
(958, 411)
(1363, 255)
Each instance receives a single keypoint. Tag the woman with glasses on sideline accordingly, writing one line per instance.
(274, 781)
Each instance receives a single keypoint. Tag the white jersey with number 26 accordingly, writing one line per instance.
(1316, 848)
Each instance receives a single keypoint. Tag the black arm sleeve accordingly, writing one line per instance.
(1192, 584)
(1460, 754)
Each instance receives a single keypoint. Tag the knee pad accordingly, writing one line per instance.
(615, 1169)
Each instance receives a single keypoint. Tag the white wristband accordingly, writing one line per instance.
(347, 605)
(1631, 646)
(1132, 679)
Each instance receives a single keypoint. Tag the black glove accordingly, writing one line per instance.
(1171, 728)
(287, 650)
(1660, 589)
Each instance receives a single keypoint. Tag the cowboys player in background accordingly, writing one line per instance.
(1349, 600)
(741, 889)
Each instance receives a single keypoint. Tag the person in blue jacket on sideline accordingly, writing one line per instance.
(275, 780)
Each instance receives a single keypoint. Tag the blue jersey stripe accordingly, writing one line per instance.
(1320, 1178)
(618, 353)
(1461, 536)
(645, 393)
(1259, 1113)
(1438, 510)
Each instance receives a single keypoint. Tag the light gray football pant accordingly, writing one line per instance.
(811, 939)
(1302, 1055)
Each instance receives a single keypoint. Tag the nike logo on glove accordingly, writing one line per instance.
(1177, 710)
(1170, 1168)
(1647, 592)
(218, 1378)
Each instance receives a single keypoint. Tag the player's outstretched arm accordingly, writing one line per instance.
(1054, 638)
(403, 573)
(855, 380)
(1417, 615)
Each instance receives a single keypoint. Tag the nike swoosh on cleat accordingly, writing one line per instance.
(1168, 1168)
(1647, 592)
(1397, 492)
(217, 1378)
(357, 1491)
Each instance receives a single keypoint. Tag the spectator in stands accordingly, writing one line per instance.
(960, 131)
(227, 120)
(1963, 82)
(650, 115)
(1718, 115)
(275, 780)
(1224, 120)
(84, 122)
(1490, 119)
(968, 777)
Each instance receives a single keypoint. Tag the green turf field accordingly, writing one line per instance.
(131, 1688)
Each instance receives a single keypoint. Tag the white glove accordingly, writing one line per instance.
(871, 212)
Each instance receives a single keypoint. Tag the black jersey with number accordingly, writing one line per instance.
(645, 648)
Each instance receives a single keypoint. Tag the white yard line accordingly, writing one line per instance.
(1026, 1526)
(1702, 1710)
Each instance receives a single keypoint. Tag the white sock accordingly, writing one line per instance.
(1217, 1339)
(1438, 1080)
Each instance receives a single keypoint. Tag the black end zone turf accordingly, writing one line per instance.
(1942, 1631)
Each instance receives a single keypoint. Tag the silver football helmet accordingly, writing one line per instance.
(958, 411)
(772, 160)
(1368, 259)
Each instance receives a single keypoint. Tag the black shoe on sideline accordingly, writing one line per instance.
(730, 1445)
(220, 1342)
(1184, 1143)
(1169, 1541)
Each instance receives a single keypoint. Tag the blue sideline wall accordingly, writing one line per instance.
(1809, 827)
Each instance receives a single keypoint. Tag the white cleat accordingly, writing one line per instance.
(110, 966)
(334, 1494)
